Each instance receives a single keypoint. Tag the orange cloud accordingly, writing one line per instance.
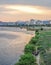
(24, 12)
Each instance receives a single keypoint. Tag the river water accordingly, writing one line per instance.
(12, 43)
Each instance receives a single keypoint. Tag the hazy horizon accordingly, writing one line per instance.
(14, 10)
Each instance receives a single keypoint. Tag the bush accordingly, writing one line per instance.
(41, 29)
(29, 48)
(27, 59)
(33, 40)
(37, 32)
(37, 36)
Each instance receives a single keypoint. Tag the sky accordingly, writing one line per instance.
(13, 10)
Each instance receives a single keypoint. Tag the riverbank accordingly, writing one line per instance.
(38, 50)
(30, 51)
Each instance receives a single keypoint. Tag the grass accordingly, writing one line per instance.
(45, 42)
(45, 39)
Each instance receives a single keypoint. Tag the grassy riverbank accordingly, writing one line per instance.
(39, 46)
(30, 52)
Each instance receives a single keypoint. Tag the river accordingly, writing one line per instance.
(12, 43)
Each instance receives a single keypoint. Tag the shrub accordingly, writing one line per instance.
(37, 32)
(27, 59)
(37, 36)
(29, 48)
(41, 29)
(33, 40)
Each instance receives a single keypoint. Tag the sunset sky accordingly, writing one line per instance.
(13, 10)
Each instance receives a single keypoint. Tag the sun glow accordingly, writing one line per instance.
(26, 9)
(24, 12)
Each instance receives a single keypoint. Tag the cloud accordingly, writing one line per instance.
(27, 9)
(15, 9)
(23, 12)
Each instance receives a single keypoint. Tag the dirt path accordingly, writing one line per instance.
(38, 59)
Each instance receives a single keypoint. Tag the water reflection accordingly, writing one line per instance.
(12, 44)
